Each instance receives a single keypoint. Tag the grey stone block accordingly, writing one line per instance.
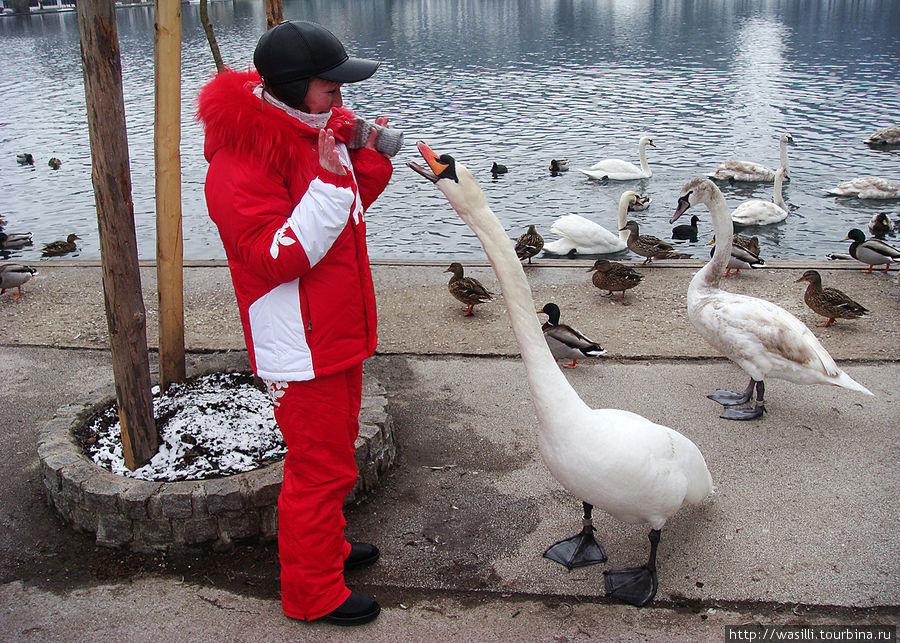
(155, 533)
(101, 491)
(195, 530)
(113, 530)
(264, 485)
(239, 524)
(134, 500)
(223, 494)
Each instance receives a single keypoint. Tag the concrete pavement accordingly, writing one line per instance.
(801, 529)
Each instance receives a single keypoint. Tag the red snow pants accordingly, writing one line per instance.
(319, 420)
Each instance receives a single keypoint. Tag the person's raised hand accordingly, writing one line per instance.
(328, 155)
(373, 135)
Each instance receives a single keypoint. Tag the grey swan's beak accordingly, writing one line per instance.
(440, 167)
(683, 205)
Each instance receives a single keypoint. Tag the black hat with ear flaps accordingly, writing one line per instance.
(292, 52)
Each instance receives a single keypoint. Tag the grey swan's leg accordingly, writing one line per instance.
(635, 585)
(748, 413)
(580, 550)
(729, 398)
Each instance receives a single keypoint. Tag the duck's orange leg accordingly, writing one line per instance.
(572, 365)
(827, 323)
(468, 312)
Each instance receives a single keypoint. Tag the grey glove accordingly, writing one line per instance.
(388, 141)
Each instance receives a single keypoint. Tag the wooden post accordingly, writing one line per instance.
(111, 176)
(274, 13)
(166, 141)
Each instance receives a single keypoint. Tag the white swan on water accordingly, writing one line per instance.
(754, 172)
(583, 236)
(762, 338)
(634, 469)
(618, 170)
(759, 212)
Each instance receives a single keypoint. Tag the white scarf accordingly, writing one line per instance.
(315, 121)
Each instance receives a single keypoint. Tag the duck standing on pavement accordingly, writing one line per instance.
(873, 252)
(467, 289)
(829, 302)
(564, 341)
(529, 244)
(13, 275)
(613, 276)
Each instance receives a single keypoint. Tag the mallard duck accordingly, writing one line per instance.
(880, 226)
(867, 187)
(750, 244)
(885, 137)
(497, 168)
(759, 212)
(559, 165)
(57, 248)
(634, 469)
(467, 289)
(54, 163)
(874, 252)
(747, 171)
(649, 246)
(12, 241)
(529, 244)
(829, 302)
(618, 170)
(13, 275)
(685, 231)
(762, 338)
(25, 159)
(613, 276)
(741, 256)
(564, 341)
(583, 236)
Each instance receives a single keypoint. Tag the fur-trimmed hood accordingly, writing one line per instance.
(235, 118)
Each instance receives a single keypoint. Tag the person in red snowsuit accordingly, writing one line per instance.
(291, 175)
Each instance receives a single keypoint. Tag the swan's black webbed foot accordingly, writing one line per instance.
(581, 549)
(730, 398)
(743, 413)
(634, 585)
(748, 413)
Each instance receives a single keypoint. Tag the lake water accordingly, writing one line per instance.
(519, 83)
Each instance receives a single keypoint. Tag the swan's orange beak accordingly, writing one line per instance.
(440, 167)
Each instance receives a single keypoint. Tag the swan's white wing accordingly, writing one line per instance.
(634, 469)
(763, 339)
(743, 171)
(584, 236)
(758, 212)
(867, 187)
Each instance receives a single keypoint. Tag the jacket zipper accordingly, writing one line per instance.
(304, 306)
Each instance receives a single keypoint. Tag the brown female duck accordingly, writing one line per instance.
(829, 302)
(467, 289)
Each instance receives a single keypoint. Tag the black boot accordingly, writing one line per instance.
(361, 555)
(356, 610)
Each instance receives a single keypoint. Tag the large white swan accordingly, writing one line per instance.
(634, 469)
(759, 212)
(583, 236)
(759, 336)
(867, 187)
(754, 172)
(618, 170)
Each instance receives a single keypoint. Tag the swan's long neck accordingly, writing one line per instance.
(623, 217)
(551, 393)
(710, 274)
(784, 155)
(778, 199)
(642, 153)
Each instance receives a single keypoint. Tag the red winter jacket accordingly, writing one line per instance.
(293, 232)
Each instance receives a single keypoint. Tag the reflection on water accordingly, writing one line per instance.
(516, 83)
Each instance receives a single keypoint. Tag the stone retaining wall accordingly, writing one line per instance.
(153, 516)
